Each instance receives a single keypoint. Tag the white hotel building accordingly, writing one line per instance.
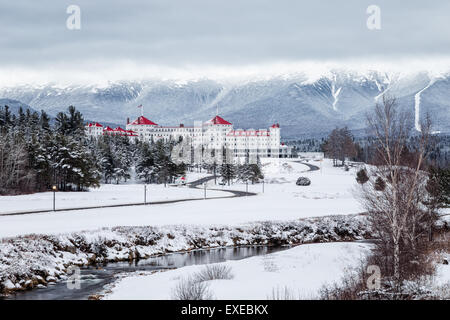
(213, 134)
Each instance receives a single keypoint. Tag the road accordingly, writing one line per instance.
(311, 166)
(194, 184)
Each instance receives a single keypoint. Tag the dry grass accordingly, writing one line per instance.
(195, 287)
(283, 294)
(214, 272)
(191, 289)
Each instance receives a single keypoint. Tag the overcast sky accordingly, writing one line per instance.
(201, 34)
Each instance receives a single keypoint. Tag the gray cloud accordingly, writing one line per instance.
(236, 32)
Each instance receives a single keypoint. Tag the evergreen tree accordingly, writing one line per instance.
(44, 122)
(255, 173)
(227, 172)
(438, 187)
(145, 164)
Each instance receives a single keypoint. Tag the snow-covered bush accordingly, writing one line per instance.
(303, 181)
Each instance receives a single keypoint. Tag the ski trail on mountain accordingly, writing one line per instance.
(225, 90)
(417, 99)
(335, 93)
(380, 87)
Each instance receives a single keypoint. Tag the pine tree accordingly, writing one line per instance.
(145, 164)
(227, 172)
(255, 173)
(44, 122)
(438, 187)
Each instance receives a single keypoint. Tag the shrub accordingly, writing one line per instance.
(303, 181)
(283, 294)
(380, 185)
(214, 272)
(196, 288)
(361, 176)
(191, 289)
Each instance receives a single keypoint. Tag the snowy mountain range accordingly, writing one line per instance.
(14, 105)
(300, 104)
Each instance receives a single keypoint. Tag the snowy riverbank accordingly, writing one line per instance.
(297, 273)
(29, 261)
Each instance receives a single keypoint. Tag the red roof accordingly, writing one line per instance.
(219, 120)
(144, 121)
(94, 125)
(108, 129)
(119, 129)
(276, 125)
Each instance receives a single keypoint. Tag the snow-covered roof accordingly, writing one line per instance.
(219, 120)
(143, 121)
(96, 124)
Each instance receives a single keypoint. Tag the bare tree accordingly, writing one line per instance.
(395, 210)
(14, 174)
(340, 145)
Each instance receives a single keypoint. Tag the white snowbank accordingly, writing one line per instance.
(301, 271)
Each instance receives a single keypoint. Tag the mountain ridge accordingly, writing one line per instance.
(300, 104)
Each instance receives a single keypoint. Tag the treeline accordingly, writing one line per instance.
(307, 145)
(37, 154)
(340, 144)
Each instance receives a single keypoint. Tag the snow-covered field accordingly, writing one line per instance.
(107, 194)
(300, 272)
(329, 194)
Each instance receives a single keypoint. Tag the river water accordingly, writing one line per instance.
(94, 278)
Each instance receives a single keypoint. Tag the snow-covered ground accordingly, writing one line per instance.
(329, 194)
(300, 271)
(107, 194)
(29, 260)
(443, 273)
